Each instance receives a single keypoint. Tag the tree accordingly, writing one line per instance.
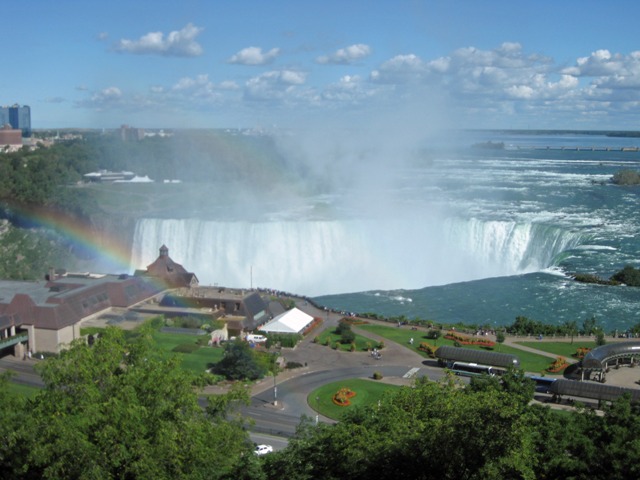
(434, 335)
(628, 275)
(430, 431)
(589, 325)
(571, 328)
(239, 362)
(500, 338)
(121, 409)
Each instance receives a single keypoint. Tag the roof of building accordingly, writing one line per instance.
(171, 273)
(482, 357)
(291, 321)
(591, 390)
(64, 300)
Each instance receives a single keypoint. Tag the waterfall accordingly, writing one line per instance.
(325, 257)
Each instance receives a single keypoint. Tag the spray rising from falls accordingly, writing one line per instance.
(325, 257)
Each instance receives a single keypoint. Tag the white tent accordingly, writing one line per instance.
(291, 321)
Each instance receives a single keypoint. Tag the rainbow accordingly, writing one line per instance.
(104, 249)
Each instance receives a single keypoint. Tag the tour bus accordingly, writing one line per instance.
(542, 383)
(472, 369)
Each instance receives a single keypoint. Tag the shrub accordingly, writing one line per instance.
(347, 337)
(377, 375)
(381, 345)
(353, 346)
(292, 365)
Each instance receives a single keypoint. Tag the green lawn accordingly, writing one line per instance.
(564, 349)
(195, 361)
(403, 335)
(367, 392)
(530, 362)
(362, 343)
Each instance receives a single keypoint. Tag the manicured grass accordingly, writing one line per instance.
(362, 343)
(563, 349)
(368, 392)
(196, 361)
(530, 362)
(403, 335)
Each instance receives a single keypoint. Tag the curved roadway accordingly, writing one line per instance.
(322, 365)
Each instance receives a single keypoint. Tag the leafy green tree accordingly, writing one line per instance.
(570, 328)
(500, 338)
(628, 275)
(121, 409)
(430, 431)
(239, 362)
(590, 325)
(434, 335)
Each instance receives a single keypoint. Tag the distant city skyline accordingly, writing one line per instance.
(414, 65)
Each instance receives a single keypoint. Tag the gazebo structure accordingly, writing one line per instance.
(596, 362)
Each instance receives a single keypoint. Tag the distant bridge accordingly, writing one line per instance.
(581, 148)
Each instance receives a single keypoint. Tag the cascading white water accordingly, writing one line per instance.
(323, 257)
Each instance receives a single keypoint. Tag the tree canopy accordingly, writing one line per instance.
(120, 409)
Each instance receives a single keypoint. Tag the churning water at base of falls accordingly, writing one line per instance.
(478, 236)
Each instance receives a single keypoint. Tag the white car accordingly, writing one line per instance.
(263, 449)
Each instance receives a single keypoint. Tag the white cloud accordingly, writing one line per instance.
(347, 55)
(275, 84)
(599, 63)
(178, 43)
(349, 89)
(400, 69)
(254, 56)
(103, 99)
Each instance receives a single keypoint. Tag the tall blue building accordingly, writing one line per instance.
(19, 117)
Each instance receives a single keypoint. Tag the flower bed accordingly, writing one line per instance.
(342, 396)
(558, 365)
(464, 340)
(428, 349)
(581, 352)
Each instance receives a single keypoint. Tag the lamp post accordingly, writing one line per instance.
(275, 391)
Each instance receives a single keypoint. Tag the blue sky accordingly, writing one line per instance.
(471, 64)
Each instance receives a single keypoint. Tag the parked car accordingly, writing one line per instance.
(263, 449)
